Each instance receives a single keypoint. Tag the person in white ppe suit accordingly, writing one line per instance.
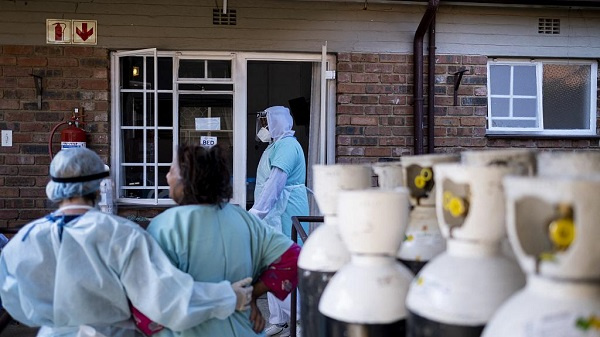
(280, 192)
(80, 272)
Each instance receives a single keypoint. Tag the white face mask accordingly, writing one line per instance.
(264, 135)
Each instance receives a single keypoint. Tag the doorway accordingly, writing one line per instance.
(271, 83)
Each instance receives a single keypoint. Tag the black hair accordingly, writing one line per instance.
(204, 175)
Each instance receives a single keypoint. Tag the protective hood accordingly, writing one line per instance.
(280, 122)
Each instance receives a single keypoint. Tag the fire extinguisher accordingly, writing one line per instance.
(59, 29)
(72, 136)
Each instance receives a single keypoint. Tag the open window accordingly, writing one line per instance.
(542, 97)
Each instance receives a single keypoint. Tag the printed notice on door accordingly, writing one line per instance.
(208, 124)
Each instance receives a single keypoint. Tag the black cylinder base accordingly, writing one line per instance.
(337, 328)
(414, 266)
(314, 282)
(419, 326)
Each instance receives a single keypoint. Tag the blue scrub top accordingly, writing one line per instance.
(215, 244)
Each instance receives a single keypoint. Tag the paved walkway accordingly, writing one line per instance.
(17, 330)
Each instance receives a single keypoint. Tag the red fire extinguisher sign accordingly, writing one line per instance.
(59, 31)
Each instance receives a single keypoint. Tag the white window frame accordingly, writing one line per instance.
(239, 80)
(540, 131)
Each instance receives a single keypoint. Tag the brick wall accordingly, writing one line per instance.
(71, 77)
(375, 108)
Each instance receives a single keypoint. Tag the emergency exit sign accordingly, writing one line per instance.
(60, 31)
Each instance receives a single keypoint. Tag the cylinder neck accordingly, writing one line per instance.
(563, 288)
(330, 220)
(472, 248)
(372, 260)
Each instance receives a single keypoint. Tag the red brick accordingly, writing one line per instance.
(379, 68)
(364, 121)
(401, 58)
(78, 73)
(345, 88)
(350, 151)
(7, 104)
(356, 57)
(93, 84)
(32, 61)
(344, 77)
(392, 99)
(364, 99)
(19, 160)
(472, 121)
(8, 82)
(365, 78)
(8, 60)
(17, 50)
(62, 62)
(33, 170)
(31, 214)
(378, 151)
(79, 51)
(33, 192)
(9, 214)
(474, 59)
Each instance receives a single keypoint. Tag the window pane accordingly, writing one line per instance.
(132, 109)
(132, 72)
(162, 175)
(206, 87)
(566, 92)
(163, 194)
(524, 82)
(131, 142)
(165, 72)
(150, 176)
(150, 146)
(499, 80)
(205, 108)
(165, 109)
(165, 146)
(191, 69)
(511, 123)
(219, 69)
(133, 176)
(500, 107)
(524, 107)
(149, 109)
(138, 194)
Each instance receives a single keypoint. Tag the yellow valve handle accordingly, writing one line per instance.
(456, 207)
(426, 173)
(420, 181)
(562, 232)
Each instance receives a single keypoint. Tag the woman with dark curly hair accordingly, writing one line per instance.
(213, 240)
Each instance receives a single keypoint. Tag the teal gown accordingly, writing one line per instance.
(215, 244)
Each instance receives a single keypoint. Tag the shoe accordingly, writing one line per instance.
(278, 329)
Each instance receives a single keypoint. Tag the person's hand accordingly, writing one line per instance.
(243, 293)
(256, 317)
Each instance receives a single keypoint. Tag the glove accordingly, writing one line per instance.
(243, 293)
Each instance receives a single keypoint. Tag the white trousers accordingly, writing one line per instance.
(279, 311)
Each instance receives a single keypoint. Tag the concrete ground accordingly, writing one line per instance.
(17, 330)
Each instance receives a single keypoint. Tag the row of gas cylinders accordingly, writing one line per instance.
(483, 243)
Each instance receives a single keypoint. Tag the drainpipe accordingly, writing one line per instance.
(418, 73)
(431, 89)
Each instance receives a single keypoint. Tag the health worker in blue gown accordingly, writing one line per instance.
(80, 272)
(280, 189)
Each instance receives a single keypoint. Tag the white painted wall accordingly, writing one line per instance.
(287, 25)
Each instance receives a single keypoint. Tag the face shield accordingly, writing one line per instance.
(262, 127)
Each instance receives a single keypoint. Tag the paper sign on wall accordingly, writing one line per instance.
(212, 123)
(208, 141)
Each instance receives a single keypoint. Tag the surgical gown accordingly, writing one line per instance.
(214, 243)
(87, 277)
(286, 154)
